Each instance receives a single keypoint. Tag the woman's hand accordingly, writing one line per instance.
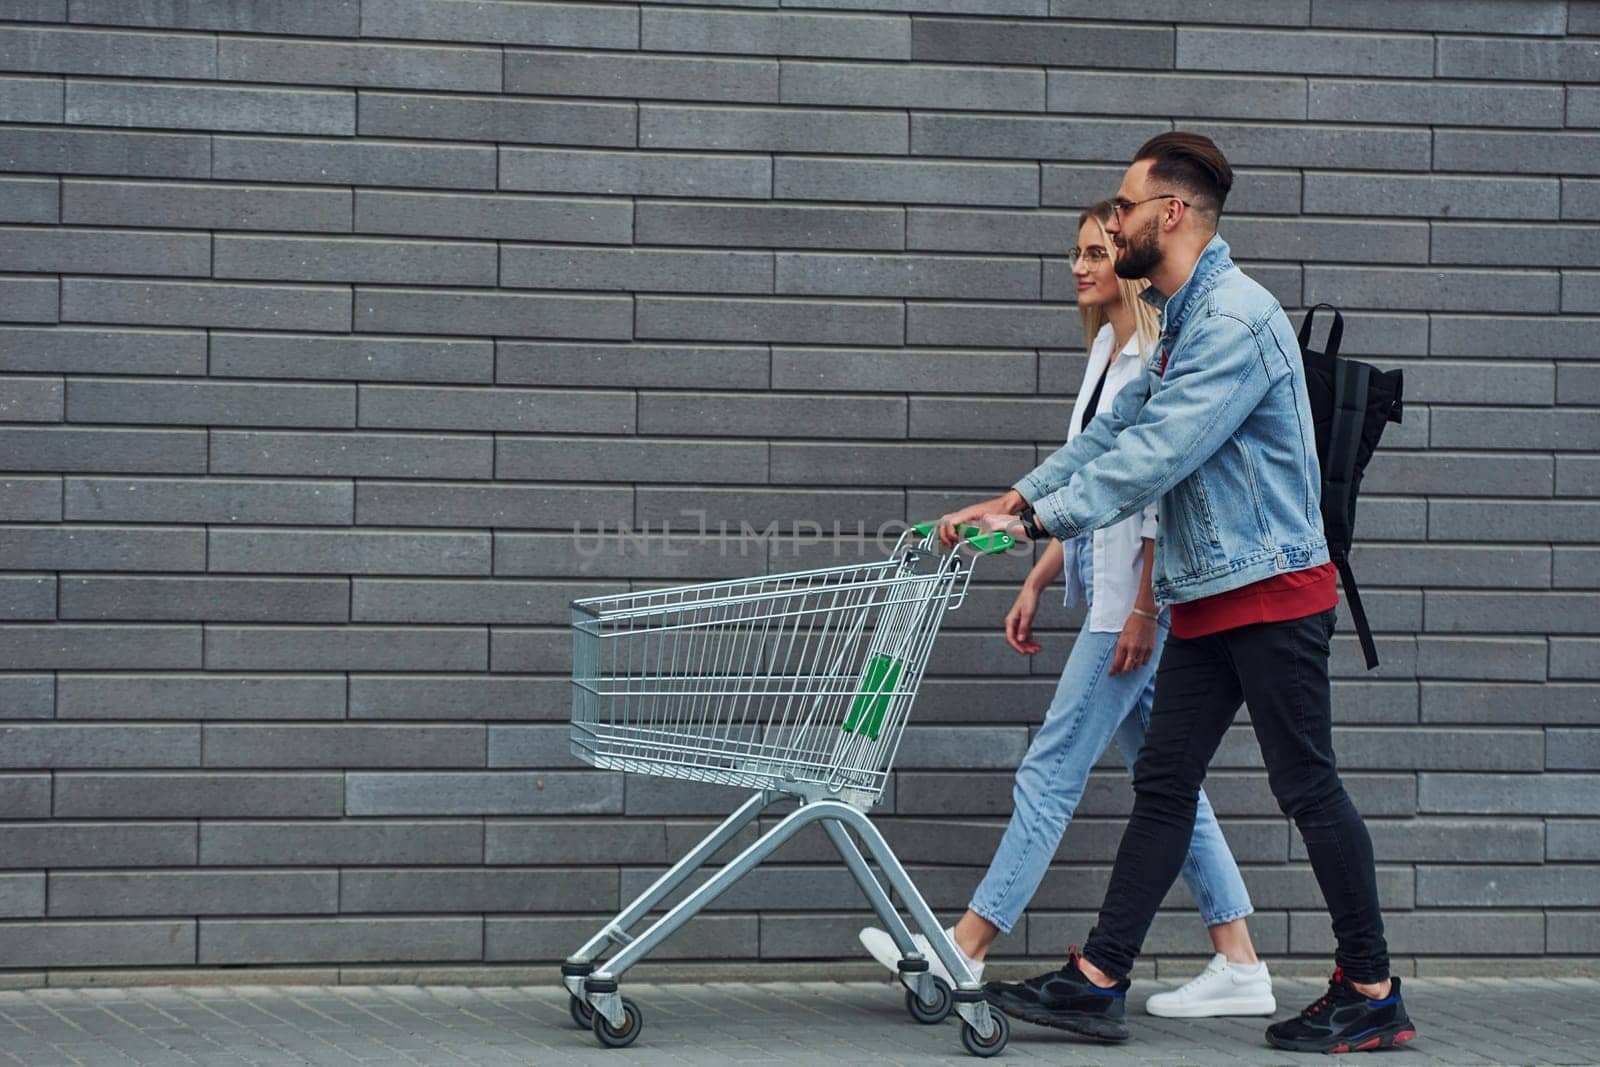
(1136, 645)
(1019, 621)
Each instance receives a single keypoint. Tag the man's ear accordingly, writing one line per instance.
(1177, 215)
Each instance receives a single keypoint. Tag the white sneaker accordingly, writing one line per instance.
(885, 951)
(1217, 990)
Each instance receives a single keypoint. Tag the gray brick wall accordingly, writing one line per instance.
(322, 322)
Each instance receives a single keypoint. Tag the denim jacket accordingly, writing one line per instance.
(1223, 439)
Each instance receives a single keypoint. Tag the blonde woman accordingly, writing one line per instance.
(1106, 689)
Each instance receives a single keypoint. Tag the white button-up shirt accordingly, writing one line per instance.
(1118, 560)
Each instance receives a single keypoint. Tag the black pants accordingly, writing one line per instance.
(1280, 671)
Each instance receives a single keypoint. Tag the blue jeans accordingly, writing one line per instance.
(1090, 707)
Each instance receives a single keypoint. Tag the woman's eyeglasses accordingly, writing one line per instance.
(1095, 256)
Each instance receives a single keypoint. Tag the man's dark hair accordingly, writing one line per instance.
(1193, 163)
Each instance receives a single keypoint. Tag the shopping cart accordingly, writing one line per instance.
(797, 686)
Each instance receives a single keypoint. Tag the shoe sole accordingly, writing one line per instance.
(892, 964)
(1388, 1037)
(936, 966)
(1215, 1008)
(1095, 1027)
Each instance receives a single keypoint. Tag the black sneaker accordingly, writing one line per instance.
(1065, 1000)
(1345, 1020)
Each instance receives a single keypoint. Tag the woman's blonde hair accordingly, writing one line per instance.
(1146, 325)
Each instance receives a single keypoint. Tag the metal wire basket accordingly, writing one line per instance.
(799, 682)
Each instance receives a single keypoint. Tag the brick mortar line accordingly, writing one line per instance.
(687, 972)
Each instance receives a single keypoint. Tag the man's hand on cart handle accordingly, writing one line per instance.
(999, 521)
(1004, 506)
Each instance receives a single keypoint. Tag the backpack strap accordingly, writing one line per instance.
(1358, 614)
(1351, 380)
(1335, 334)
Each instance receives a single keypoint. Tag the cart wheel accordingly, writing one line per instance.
(632, 1023)
(582, 1014)
(938, 1011)
(996, 1041)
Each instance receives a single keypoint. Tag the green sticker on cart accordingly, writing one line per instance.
(872, 700)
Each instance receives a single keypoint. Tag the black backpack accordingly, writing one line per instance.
(1351, 403)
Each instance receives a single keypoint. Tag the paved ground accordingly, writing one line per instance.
(1461, 1021)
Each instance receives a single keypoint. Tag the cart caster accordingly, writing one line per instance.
(582, 1014)
(994, 1044)
(936, 1012)
(627, 1034)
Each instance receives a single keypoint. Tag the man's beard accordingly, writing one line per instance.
(1140, 255)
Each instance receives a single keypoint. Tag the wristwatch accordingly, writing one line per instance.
(1030, 525)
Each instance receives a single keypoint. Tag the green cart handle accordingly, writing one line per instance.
(987, 543)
